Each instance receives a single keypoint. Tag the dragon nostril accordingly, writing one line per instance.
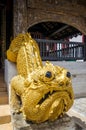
(48, 74)
(61, 83)
(68, 74)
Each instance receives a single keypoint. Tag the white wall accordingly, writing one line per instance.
(76, 39)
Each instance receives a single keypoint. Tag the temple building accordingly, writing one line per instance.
(52, 23)
(65, 20)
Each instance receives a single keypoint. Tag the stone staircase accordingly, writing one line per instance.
(3, 95)
(3, 89)
(5, 118)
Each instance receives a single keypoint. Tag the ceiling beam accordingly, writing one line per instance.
(59, 30)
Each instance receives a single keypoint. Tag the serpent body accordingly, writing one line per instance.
(45, 91)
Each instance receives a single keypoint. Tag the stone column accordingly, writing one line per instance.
(19, 17)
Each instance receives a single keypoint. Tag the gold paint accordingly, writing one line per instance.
(45, 91)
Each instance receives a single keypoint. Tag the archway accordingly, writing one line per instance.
(57, 50)
(53, 30)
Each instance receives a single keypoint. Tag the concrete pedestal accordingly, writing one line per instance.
(10, 71)
(64, 123)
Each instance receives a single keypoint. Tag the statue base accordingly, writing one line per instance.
(64, 123)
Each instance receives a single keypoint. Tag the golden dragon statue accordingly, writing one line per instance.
(40, 92)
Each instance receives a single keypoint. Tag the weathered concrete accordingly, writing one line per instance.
(78, 112)
(9, 72)
(65, 123)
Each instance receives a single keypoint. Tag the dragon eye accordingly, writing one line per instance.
(68, 74)
(48, 74)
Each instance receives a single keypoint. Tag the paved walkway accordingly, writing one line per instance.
(80, 106)
(78, 112)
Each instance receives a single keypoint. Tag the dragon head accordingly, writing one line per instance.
(49, 94)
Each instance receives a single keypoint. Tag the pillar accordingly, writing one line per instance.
(84, 40)
(19, 17)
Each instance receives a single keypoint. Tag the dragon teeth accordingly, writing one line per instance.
(37, 106)
(51, 91)
(43, 96)
(51, 112)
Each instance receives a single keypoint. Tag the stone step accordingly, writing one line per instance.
(1, 77)
(3, 98)
(3, 89)
(2, 84)
(1, 80)
(7, 126)
(5, 116)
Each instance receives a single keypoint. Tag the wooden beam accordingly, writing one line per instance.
(59, 30)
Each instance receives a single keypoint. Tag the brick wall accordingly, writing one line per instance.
(30, 12)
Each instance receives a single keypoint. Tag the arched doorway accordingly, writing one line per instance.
(53, 40)
(53, 30)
